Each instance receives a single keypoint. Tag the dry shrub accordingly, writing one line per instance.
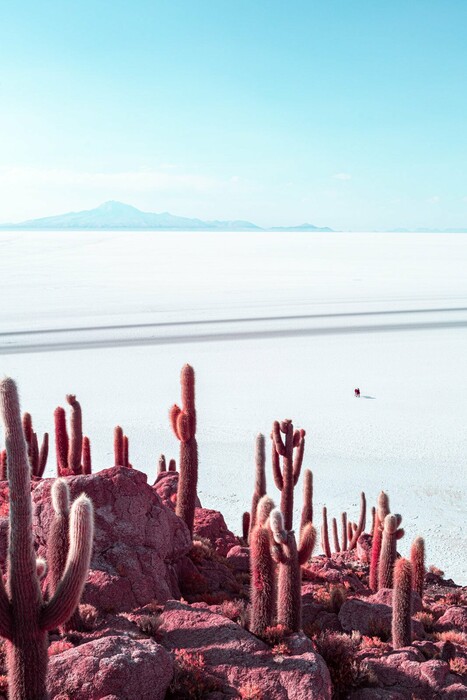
(458, 665)
(338, 596)
(434, 570)
(452, 636)
(427, 619)
(338, 650)
(275, 634)
(251, 691)
(237, 611)
(150, 624)
(191, 681)
(88, 616)
(280, 649)
(59, 647)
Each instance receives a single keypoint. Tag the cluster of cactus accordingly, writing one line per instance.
(183, 422)
(291, 449)
(350, 531)
(121, 448)
(162, 465)
(74, 450)
(25, 618)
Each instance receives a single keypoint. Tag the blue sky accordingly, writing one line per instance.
(351, 114)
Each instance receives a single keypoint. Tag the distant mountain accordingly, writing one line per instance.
(302, 227)
(113, 216)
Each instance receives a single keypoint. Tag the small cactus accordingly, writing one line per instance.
(37, 458)
(382, 511)
(325, 534)
(119, 456)
(391, 533)
(344, 531)
(245, 526)
(291, 450)
(161, 465)
(402, 604)
(87, 464)
(335, 536)
(183, 422)
(417, 559)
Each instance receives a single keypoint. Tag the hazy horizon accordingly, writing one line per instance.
(341, 115)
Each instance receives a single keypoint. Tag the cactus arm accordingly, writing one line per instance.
(276, 436)
(172, 465)
(263, 509)
(276, 470)
(417, 559)
(65, 599)
(298, 457)
(76, 435)
(161, 466)
(307, 543)
(173, 415)
(43, 455)
(361, 522)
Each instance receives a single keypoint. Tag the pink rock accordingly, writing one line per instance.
(384, 595)
(239, 557)
(166, 486)
(210, 524)
(111, 667)
(364, 548)
(435, 672)
(236, 657)
(371, 618)
(137, 540)
(455, 618)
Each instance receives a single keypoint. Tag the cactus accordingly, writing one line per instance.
(325, 534)
(172, 465)
(61, 441)
(359, 529)
(307, 508)
(24, 617)
(183, 422)
(264, 509)
(119, 456)
(126, 452)
(262, 585)
(76, 435)
(344, 531)
(3, 466)
(417, 559)
(402, 604)
(286, 479)
(260, 477)
(245, 526)
(290, 560)
(382, 511)
(161, 465)
(373, 518)
(37, 458)
(335, 536)
(391, 533)
(87, 464)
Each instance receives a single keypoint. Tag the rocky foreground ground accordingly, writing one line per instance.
(162, 617)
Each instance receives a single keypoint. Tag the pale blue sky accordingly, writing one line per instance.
(347, 113)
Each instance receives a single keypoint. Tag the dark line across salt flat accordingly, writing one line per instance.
(89, 344)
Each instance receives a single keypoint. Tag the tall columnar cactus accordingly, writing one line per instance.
(344, 531)
(286, 479)
(58, 542)
(183, 422)
(290, 560)
(24, 617)
(260, 477)
(119, 456)
(246, 526)
(335, 536)
(69, 448)
(391, 533)
(307, 508)
(402, 604)
(417, 559)
(262, 567)
(382, 511)
(325, 534)
(87, 463)
(37, 457)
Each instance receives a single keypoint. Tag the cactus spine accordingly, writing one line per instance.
(391, 533)
(402, 604)
(24, 617)
(260, 477)
(382, 511)
(286, 479)
(417, 559)
(183, 422)
(290, 560)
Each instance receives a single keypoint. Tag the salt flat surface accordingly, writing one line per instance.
(276, 325)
